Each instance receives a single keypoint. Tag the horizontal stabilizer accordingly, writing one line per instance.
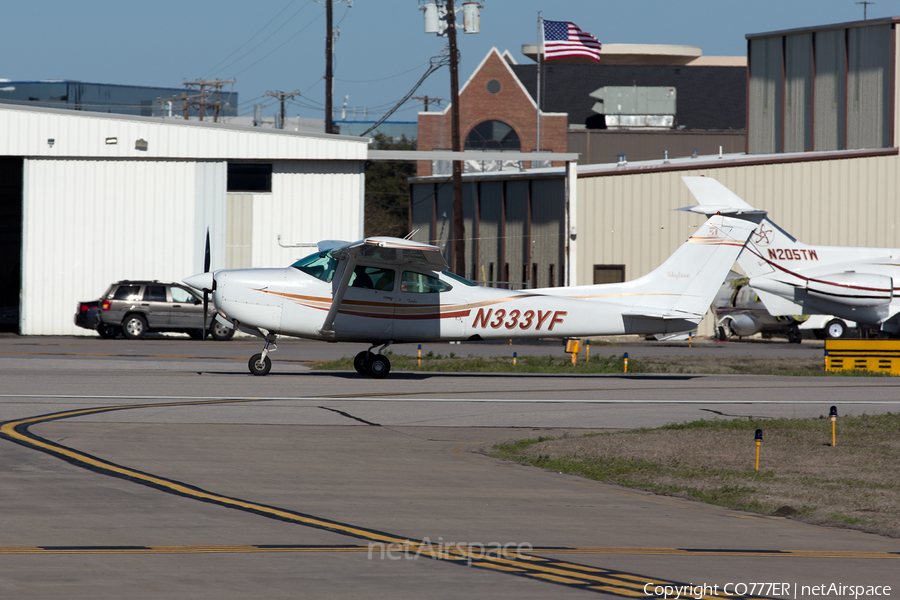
(714, 198)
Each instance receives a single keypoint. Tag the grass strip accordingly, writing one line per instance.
(853, 484)
(608, 364)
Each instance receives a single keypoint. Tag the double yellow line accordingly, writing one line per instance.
(521, 564)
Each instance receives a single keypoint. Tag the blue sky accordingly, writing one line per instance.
(382, 50)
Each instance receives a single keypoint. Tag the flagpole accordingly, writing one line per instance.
(540, 44)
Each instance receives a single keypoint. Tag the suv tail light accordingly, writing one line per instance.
(105, 306)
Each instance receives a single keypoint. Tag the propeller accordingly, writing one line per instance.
(206, 260)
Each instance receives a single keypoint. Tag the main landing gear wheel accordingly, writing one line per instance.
(376, 366)
(835, 329)
(259, 365)
(379, 366)
(359, 363)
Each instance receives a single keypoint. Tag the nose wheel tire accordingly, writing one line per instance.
(259, 365)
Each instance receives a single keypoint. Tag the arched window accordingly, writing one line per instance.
(492, 135)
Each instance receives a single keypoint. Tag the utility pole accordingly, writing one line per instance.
(282, 96)
(329, 50)
(459, 223)
(203, 95)
(865, 4)
(426, 100)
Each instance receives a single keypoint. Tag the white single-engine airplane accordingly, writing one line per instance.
(792, 278)
(387, 290)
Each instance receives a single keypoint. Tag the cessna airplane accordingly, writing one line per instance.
(385, 290)
(793, 278)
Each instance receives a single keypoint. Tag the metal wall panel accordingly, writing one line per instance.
(423, 211)
(630, 219)
(829, 89)
(798, 93)
(516, 242)
(470, 211)
(239, 231)
(868, 86)
(444, 234)
(491, 205)
(764, 126)
(548, 223)
(310, 201)
(90, 223)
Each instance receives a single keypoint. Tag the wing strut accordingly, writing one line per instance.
(326, 330)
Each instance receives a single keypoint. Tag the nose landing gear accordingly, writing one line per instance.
(261, 364)
(376, 366)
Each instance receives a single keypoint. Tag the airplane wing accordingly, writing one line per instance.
(379, 250)
(395, 251)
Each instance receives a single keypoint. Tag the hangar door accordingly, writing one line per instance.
(10, 242)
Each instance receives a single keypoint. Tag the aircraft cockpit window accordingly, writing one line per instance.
(372, 278)
(420, 283)
(321, 265)
(459, 278)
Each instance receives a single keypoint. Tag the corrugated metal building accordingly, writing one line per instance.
(87, 199)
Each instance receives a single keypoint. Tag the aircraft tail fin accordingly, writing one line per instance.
(684, 286)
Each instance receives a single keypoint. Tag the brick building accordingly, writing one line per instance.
(496, 112)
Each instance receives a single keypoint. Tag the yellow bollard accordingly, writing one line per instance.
(515, 358)
(420, 355)
(626, 362)
(758, 444)
(587, 351)
(833, 420)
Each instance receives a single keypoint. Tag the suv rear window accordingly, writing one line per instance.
(127, 292)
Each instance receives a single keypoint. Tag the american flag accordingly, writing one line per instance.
(563, 39)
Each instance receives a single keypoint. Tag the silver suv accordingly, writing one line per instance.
(138, 307)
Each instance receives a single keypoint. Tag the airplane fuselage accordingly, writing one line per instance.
(290, 302)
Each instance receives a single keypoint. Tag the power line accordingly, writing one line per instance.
(253, 36)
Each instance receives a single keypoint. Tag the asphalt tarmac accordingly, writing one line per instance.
(161, 468)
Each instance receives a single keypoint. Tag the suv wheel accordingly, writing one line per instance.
(221, 333)
(108, 332)
(134, 327)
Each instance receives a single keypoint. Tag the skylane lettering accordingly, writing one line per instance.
(524, 320)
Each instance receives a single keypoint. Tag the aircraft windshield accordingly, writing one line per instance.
(458, 278)
(321, 265)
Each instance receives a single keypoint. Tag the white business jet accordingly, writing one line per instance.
(385, 290)
(792, 278)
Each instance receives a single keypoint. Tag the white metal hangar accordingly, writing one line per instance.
(87, 199)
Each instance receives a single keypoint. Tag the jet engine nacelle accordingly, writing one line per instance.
(852, 289)
(744, 325)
